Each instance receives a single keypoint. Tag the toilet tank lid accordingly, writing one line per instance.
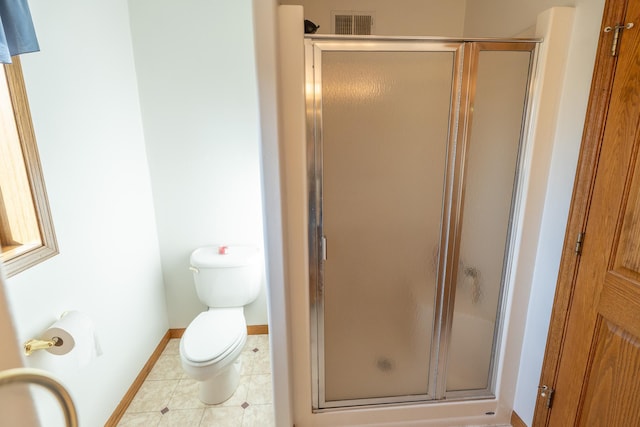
(222, 256)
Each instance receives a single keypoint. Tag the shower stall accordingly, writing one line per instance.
(414, 150)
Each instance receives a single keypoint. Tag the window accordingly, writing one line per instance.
(26, 228)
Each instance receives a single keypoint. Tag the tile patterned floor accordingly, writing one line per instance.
(169, 398)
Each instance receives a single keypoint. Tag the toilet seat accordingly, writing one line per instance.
(212, 335)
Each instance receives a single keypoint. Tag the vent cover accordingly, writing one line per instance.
(353, 23)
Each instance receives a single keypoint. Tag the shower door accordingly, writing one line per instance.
(388, 121)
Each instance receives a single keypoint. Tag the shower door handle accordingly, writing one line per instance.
(323, 248)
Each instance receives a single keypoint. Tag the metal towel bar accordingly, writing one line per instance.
(35, 376)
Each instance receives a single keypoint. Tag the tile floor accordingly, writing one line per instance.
(169, 398)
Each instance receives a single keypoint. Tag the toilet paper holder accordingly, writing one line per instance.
(35, 344)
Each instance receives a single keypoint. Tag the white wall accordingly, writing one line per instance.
(196, 75)
(399, 17)
(84, 102)
(468, 18)
(505, 18)
(270, 78)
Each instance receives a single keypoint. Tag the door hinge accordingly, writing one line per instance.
(547, 393)
(616, 35)
(579, 242)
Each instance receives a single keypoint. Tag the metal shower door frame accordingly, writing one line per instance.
(462, 97)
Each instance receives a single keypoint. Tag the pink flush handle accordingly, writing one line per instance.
(223, 250)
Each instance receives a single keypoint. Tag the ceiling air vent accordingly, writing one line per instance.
(353, 23)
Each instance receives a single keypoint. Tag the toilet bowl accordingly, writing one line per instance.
(226, 278)
(210, 352)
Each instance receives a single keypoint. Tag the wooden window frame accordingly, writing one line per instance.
(21, 258)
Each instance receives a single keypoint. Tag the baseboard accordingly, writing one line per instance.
(251, 330)
(257, 329)
(176, 333)
(137, 383)
(516, 421)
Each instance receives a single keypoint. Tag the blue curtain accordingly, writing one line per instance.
(17, 34)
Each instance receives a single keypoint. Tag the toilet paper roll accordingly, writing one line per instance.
(77, 334)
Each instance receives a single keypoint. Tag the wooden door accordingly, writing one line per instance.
(593, 353)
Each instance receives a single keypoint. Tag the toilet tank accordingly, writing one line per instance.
(227, 276)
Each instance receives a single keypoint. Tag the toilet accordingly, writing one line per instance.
(226, 279)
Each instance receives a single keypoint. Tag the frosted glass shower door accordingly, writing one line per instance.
(384, 150)
(499, 98)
